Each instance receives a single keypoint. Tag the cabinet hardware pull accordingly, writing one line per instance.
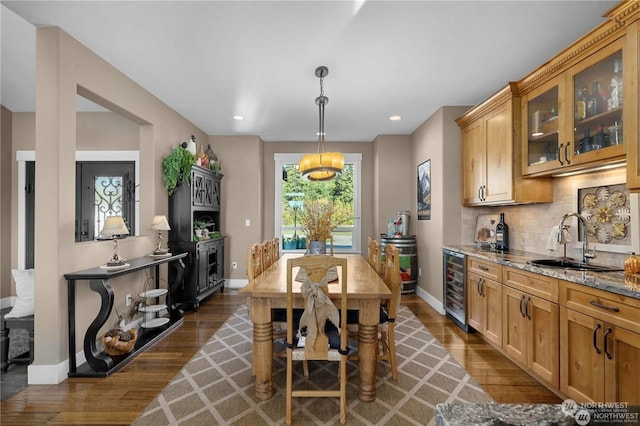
(600, 305)
(558, 154)
(482, 288)
(595, 338)
(483, 268)
(606, 333)
(521, 308)
(566, 155)
(478, 286)
(526, 308)
(480, 193)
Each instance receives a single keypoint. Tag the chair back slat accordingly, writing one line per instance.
(392, 277)
(374, 255)
(255, 265)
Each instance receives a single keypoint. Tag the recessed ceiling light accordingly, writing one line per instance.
(238, 117)
(395, 118)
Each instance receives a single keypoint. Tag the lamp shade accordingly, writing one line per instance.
(160, 223)
(114, 226)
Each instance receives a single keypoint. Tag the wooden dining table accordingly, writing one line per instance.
(365, 290)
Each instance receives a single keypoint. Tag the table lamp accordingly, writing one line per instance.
(115, 228)
(160, 223)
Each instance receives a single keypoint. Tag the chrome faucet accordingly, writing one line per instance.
(586, 253)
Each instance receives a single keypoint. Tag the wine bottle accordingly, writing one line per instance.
(502, 234)
(594, 107)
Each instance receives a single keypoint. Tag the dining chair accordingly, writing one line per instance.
(386, 328)
(255, 265)
(267, 253)
(276, 248)
(318, 310)
(374, 255)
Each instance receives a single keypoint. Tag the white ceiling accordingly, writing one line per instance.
(210, 60)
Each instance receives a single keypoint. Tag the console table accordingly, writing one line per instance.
(99, 364)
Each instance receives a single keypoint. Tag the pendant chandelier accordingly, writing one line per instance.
(321, 166)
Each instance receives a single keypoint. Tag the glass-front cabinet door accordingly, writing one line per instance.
(598, 100)
(543, 129)
(575, 119)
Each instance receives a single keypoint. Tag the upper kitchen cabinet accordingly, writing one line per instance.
(491, 152)
(576, 120)
(631, 111)
(580, 109)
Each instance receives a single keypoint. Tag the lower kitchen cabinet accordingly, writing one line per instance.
(485, 307)
(530, 333)
(599, 353)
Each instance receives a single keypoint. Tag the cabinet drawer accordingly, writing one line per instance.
(534, 284)
(484, 268)
(614, 308)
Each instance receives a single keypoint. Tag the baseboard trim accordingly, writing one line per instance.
(51, 374)
(430, 300)
(235, 284)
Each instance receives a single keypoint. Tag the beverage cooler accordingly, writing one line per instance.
(455, 301)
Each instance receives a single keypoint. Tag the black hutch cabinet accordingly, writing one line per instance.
(197, 203)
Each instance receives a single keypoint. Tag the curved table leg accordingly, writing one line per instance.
(96, 359)
(368, 347)
(176, 272)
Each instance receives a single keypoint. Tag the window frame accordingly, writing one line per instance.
(355, 159)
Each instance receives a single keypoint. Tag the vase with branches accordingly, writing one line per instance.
(320, 218)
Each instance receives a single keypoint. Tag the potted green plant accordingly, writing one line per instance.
(198, 228)
(176, 168)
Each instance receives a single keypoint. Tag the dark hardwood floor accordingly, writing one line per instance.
(120, 398)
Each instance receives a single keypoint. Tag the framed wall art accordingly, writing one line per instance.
(424, 191)
(611, 213)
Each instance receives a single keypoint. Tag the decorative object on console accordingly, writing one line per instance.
(160, 223)
(114, 228)
(321, 166)
(117, 342)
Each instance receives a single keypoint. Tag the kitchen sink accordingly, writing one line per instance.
(572, 265)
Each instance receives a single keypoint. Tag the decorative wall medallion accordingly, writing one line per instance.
(611, 213)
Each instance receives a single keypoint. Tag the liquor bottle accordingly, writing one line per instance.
(615, 93)
(594, 106)
(581, 106)
(502, 234)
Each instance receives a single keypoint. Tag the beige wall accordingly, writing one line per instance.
(242, 197)
(64, 68)
(437, 139)
(5, 202)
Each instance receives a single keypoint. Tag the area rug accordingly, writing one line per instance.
(216, 386)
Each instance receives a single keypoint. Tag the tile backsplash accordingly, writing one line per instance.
(530, 225)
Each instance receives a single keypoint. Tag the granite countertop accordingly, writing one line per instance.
(613, 282)
(502, 414)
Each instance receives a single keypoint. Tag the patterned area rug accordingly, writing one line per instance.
(216, 387)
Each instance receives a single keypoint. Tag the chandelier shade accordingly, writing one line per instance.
(321, 166)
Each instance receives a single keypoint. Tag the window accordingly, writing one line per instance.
(103, 188)
(291, 193)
